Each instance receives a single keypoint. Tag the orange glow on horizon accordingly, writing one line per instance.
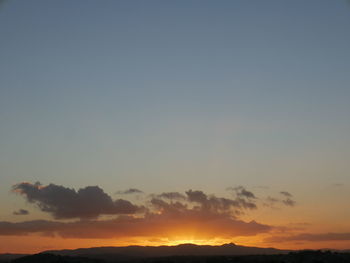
(36, 244)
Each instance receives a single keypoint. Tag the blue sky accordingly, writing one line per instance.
(174, 94)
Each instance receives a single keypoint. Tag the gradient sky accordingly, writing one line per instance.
(167, 96)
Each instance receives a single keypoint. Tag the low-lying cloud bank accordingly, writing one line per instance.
(152, 225)
(192, 213)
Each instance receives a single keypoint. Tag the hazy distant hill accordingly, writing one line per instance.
(118, 253)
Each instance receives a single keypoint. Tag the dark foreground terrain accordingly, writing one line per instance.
(185, 253)
(293, 257)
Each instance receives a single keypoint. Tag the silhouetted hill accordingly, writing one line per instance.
(165, 251)
(9, 257)
(50, 258)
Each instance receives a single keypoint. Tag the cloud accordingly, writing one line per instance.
(192, 213)
(167, 214)
(130, 191)
(90, 202)
(21, 212)
(286, 194)
(186, 222)
(172, 196)
(311, 237)
(287, 200)
(170, 208)
(200, 201)
(29, 227)
(63, 203)
(197, 196)
(241, 192)
(219, 204)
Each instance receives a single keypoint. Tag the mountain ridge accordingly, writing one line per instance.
(183, 253)
(187, 249)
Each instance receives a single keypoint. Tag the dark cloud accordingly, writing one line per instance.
(130, 191)
(286, 194)
(288, 202)
(198, 200)
(30, 227)
(197, 196)
(21, 212)
(91, 201)
(311, 237)
(162, 215)
(241, 192)
(172, 196)
(62, 202)
(219, 204)
(205, 225)
(165, 207)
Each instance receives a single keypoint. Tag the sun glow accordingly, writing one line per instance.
(195, 241)
(192, 241)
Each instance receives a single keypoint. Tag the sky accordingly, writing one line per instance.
(228, 120)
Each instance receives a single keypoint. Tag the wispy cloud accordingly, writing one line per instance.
(172, 196)
(129, 191)
(286, 194)
(286, 199)
(21, 212)
(242, 192)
